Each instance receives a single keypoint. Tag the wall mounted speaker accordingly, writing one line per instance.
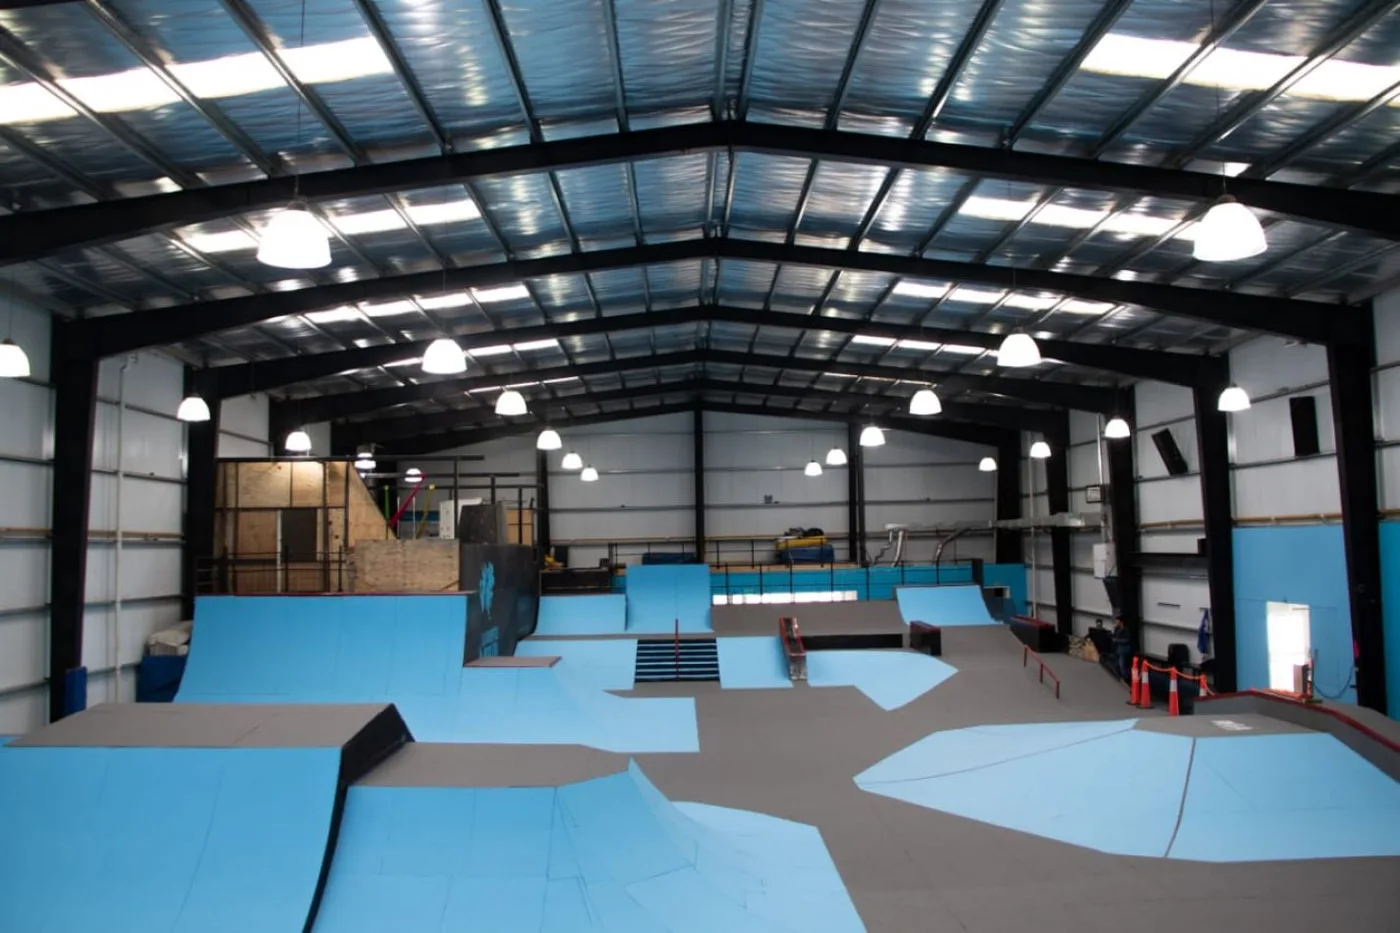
(1302, 410)
(1170, 453)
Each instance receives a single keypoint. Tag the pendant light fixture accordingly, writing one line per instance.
(298, 442)
(1233, 399)
(444, 358)
(872, 436)
(589, 475)
(413, 476)
(1017, 351)
(836, 457)
(925, 402)
(294, 239)
(192, 409)
(571, 461)
(1040, 451)
(1228, 232)
(549, 439)
(1116, 429)
(813, 468)
(14, 362)
(511, 404)
(987, 465)
(364, 461)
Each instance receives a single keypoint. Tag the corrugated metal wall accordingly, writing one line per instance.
(148, 503)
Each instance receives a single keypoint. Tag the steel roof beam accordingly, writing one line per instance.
(122, 333)
(548, 411)
(262, 376)
(32, 234)
(350, 404)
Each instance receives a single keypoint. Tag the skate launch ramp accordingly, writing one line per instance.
(944, 606)
(408, 651)
(606, 854)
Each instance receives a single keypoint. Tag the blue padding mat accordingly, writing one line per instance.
(610, 854)
(943, 605)
(659, 595)
(179, 839)
(582, 615)
(1263, 797)
(890, 678)
(756, 662)
(408, 651)
(604, 663)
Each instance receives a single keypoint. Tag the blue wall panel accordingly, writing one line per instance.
(1011, 576)
(1303, 564)
(1390, 602)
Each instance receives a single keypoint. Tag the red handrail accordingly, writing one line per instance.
(791, 650)
(1044, 668)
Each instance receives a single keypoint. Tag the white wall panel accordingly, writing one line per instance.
(153, 381)
(774, 520)
(25, 658)
(102, 636)
(1159, 403)
(24, 576)
(25, 503)
(1387, 389)
(146, 571)
(147, 505)
(244, 417)
(23, 711)
(1296, 488)
(27, 417)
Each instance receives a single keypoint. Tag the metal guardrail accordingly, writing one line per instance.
(819, 578)
(272, 574)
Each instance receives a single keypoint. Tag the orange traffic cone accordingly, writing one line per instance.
(1173, 705)
(1145, 688)
(1133, 689)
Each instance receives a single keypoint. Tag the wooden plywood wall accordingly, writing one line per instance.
(427, 566)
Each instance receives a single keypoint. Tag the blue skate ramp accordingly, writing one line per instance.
(753, 662)
(131, 840)
(608, 854)
(891, 679)
(582, 615)
(408, 651)
(943, 605)
(660, 594)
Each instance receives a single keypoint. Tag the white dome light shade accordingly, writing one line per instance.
(444, 358)
(511, 404)
(413, 476)
(925, 402)
(1233, 399)
(14, 362)
(589, 475)
(571, 461)
(192, 408)
(549, 439)
(1116, 429)
(1018, 350)
(293, 239)
(1229, 231)
(987, 465)
(872, 437)
(813, 468)
(1040, 451)
(298, 442)
(836, 457)
(364, 463)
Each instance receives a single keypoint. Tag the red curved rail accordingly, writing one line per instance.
(791, 647)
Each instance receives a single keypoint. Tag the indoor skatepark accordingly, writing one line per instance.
(376, 782)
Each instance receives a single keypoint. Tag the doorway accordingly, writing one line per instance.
(1290, 642)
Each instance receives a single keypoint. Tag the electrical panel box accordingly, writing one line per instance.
(1105, 561)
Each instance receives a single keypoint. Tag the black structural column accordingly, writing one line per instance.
(855, 492)
(1057, 496)
(542, 530)
(1350, 360)
(74, 379)
(1213, 443)
(201, 482)
(1009, 542)
(698, 433)
(1123, 520)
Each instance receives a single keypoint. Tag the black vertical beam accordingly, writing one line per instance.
(698, 437)
(1213, 443)
(201, 483)
(1057, 495)
(1009, 543)
(74, 379)
(855, 505)
(1123, 519)
(542, 529)
(1350, 360)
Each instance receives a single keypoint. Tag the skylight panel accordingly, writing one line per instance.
(873, 341)
(333, 315)
(920, 289)
(532, 345)
(923, 346)
(502, 293)
(228, 242)
(389, 308)
(450, 300)
(500, 349)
